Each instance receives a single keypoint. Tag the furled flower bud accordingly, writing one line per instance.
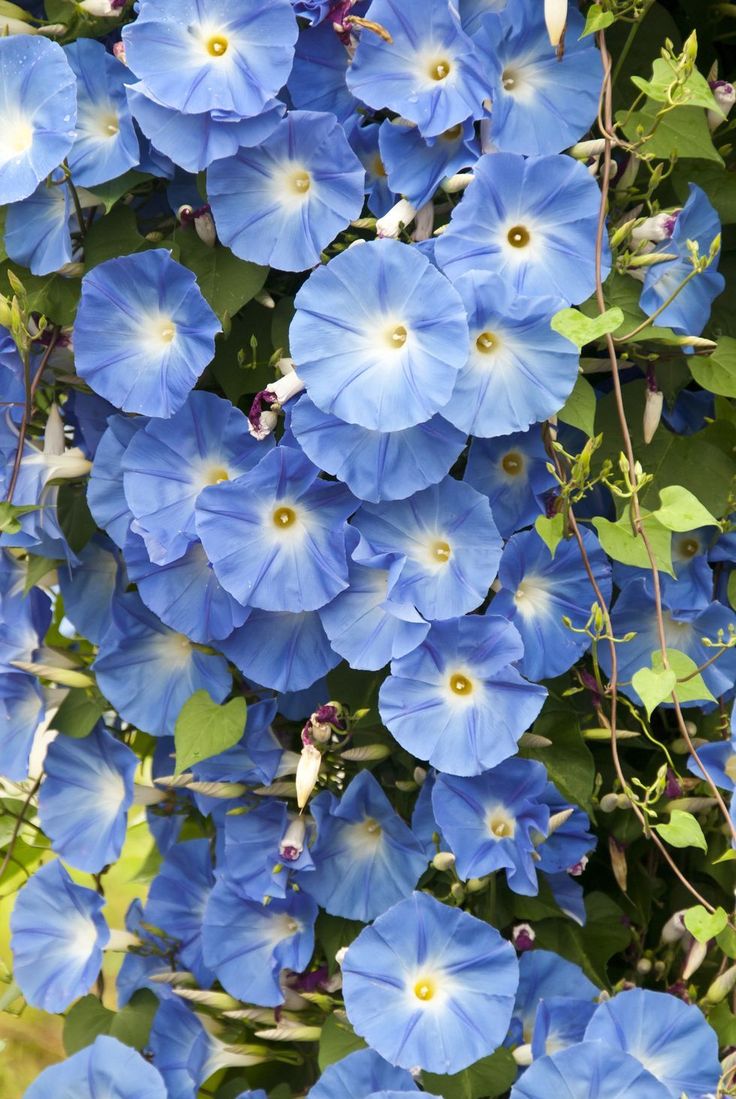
(443, 860)
(204, 224)
(657, 228)
(102, 9)
(292, 843)
(523, 936)
(674, 930)
(555, 16)
(725, 96)
(307, 772)
(400, 215)
(653, 403)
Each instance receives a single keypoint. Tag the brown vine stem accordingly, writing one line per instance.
(607, 112)
(32, 385)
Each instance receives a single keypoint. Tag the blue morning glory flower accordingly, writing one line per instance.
(248, 944)
(177, 899)
(538, 591)
(671, 1039)
(317, 79)
(448, 544)
(105, 145)
(518, 370)
(512, 472)
(206, 55)
(473, 14)
(494, 821)
(542, 103)
(105, 494)
(143, 332)
(263, 847)
(719, 760)
(24, 618)
(85, 796)
(193, 141)
(458, 700)
(147, 671)
(688, 314)
(530, 220)
(169, 463)
(37, 230)
(378, 336)
(691, 588)
(286, 652)
(634, 610)
(544, 975)
(21, 711)
(276, 536)
(139, 967)
(590, 1070)
(38, 106)
(181, 1048)
(284, 201)
(430, 986)
(58, 936)
(88, 590)
(415, 168)
(430, 71)
(366, 626)
(377, 465)
(365, 142)
(365, 857)
(560, 1022)
(359, 1075)
(105, 1070)
(570, 841)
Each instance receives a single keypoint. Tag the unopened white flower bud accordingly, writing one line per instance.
(657, 228)
(555, 16)
(424, 224)
(307, 772)
(695, 958)
(292, 844)
(523, 1055)
(644, 966)
(674, 930)
(725, 96)
(443, 860)
(204, 224)
(264, 298)
(288, 386)
(340, 955)
(420, 775)
(653, 404)
(609, 803)
(101, 9)
(402, 214)
(54, 442)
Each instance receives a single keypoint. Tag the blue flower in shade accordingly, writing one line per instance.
(169, 463)
(105, 493)
(541, 103)
(538, 591)
(263, 847)
(691, 588)
(569, 842)
(85, 797)
(589, 1070)
(284, 201)
(359, 1075)
(105, 145)
(276, 535)
(24, 618)
(177, 900)
(458, 700)
(530, 220)
(634, 611)
(147, 671)
(143, 332)
(206, 55)
(544, 976)
(286, 652)
(38, 106)
(364, 624)
(21, 711)
(365, 857)
(495, 821)
(89, 589)
(671, 1039)
(139, 967)
(185, 594)
(430, 72)
(518, 370)
(385, 353)
(58, 935)
(430, 985)
(193, 141)
(181, 1049)
(248, 944)
(37, 230)
(512, 472)
(365, 142)
(447, 542)
(317, 78)
(377, 465)
(415, 168)
(560, 1022)
(105, 1070)
(688, 314)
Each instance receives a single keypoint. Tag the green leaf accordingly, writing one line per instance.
(691, 686)
(568, 761)
(109, 193)
(704, 925)
(681, 511)
(622, 292)
(10, 515)
(726, 939)
(579, 408)
(619, 542)
(717, 372)
(653, 687)
(333, 933)
(114, 235)
(488, 1078)
(53, 295)
(227, 282)
(336, 1041)
(695, 92)
(85, 1021)
(550, 530)
(603, 935)
(74, 516)
(682, 132)
(79, 713)
(36, 569)
(581, 329)
(205, 728)
(728, 856)
(683, 830)
(716, 181)
(597, 19)
(723, 1021)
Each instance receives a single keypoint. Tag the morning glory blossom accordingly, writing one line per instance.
(317, 78)
(360, 1075)
(543, 976)
(430, 986)
(378, 336)
(512, 472)
(263, 847)
(589, 1070)
(38, 229)
(415, 168)
(105, 493)
(21, 712)
(105, 145)
(284, 651)
(143, 332)
(176, 902)
(107, 1069)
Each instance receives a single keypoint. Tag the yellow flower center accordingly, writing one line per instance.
(397, 337)
(486, 343)
(453, 133)
(461, 685)
(518, 236)
(167, 331)
(217, 475)
(300, 182)
(424, 989)
(508, 80)
(440, 69)
(512, 463)
(379, 168)
(689, 547)
(372, 827)
(217, 45)
(284, 517)
(500, 825)
(441, 551)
